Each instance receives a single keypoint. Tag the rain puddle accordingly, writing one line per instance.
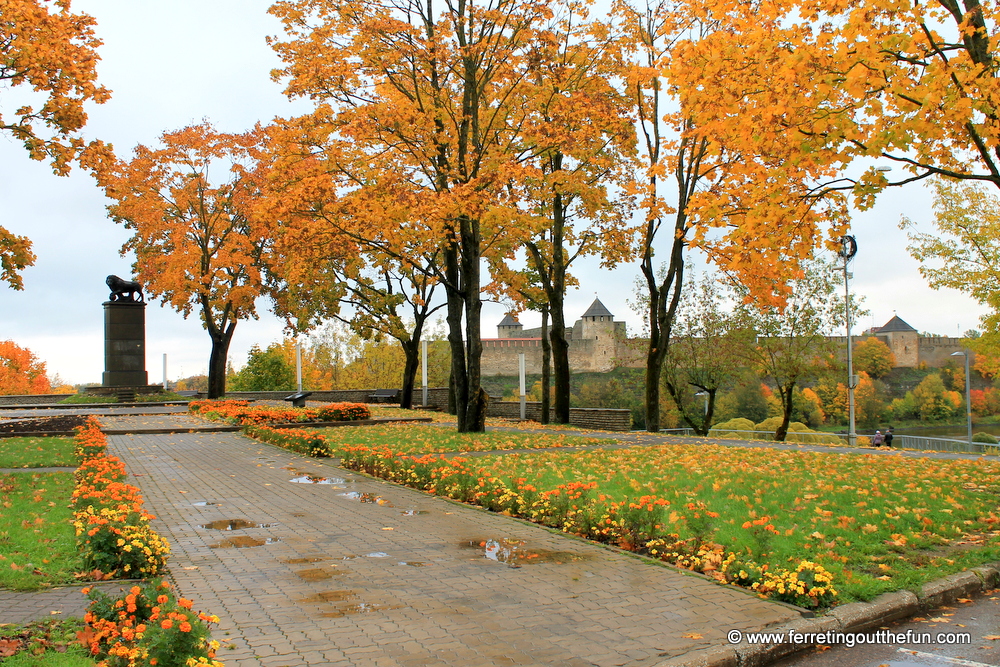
(312, 479)
(360, 608)
(366, 498)
(304, 559)
(412, 563)
(234, 524)
(414, 512)
(377, 554)
(204, 503)
(242, 542)
(514, 553)
(331, 596)
(317, 574)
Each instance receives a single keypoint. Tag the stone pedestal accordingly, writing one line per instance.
(124, 344)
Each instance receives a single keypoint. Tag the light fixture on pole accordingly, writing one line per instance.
(968, 392)
(705, 394)
(848, 249)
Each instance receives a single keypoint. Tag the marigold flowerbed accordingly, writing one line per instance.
(241, 412)
(149, 625)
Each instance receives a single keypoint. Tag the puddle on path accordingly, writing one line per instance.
(312, 479)
(366, 498)
(515, 552)
(360, 608)
(377, 554)
(414, 512)
(317, 574)
(242, 542)
(205, 503)
(234, 524)
(331, 596)
(412, 563)
(304, 559)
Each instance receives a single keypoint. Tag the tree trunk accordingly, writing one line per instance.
(411, 350)
(459, 377)
(560, 361)
(546, 360)
(786, 404)
(217, 361)
(476, 399)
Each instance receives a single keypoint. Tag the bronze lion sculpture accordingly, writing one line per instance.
(124, 290)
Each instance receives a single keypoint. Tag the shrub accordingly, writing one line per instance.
(113, 529)
(985, 438)
(728, 427)
(312, 444)
(148, 626)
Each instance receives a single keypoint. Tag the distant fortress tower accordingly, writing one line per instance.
(596, 343)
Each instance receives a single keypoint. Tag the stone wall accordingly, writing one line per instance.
(33, 399)
(936, 351)
(599, 418)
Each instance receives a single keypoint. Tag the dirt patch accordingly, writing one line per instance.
(57, 424)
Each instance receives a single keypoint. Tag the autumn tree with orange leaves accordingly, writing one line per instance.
(21, 372)
(196, 245)
(580, 141)
(48, 58)
(420, 106)
(747, 202)
(913, 84)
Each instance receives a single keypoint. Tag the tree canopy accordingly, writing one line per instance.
(48, 58)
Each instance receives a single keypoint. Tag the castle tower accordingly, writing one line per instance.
(598, 321)
(903, 340)
(509, 327)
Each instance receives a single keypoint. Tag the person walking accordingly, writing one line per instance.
(887, 438)
(877, 439)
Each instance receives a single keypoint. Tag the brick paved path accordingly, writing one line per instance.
(336, 581)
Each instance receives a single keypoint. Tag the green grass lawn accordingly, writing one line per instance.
(36, 452)
(49, 643)
(878, 523)
(422, 439)
(37, 540)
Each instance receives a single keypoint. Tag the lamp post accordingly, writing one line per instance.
(968, 392)
(848, 249)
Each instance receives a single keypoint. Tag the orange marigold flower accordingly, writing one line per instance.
(167, 624)
(184, 602)
(185, 627)
(162, 599)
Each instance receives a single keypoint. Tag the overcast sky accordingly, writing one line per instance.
(173, 64)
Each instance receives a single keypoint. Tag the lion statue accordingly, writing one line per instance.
(124, 290)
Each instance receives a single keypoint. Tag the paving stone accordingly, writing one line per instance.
(460, 609)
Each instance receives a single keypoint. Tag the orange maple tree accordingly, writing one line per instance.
(914, 84)
(48, 60)
(196, 244)
(420, 106)
(21, 372)
(744, 197)
(579, 141)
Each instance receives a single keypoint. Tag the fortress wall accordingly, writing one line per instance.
(500, 357)
(605, 419)
(936, 351)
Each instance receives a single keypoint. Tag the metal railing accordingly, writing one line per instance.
(901, 441)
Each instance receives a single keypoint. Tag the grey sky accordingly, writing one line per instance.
(173, 64)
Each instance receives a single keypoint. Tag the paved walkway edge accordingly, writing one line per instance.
(853, 617)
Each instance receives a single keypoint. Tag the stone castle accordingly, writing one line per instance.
(597, 343)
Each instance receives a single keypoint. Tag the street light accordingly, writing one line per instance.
(848, 249)
(705, 394)
(968, 393)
